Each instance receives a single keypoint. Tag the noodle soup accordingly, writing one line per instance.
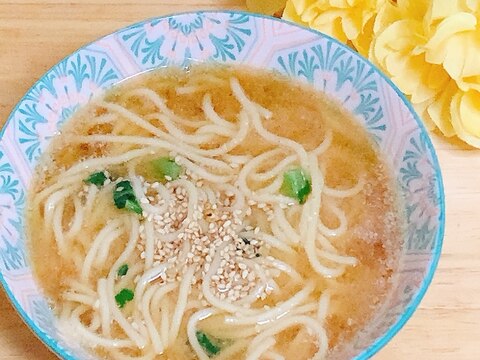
(219, 212)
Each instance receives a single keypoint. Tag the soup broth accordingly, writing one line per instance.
(214, 212)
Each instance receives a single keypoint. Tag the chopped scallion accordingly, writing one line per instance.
(97, 178)
(210, 346)
(166, 168)
(297, 184)
(124, 197)
(124, 296)
(122, 270)
(133, 206)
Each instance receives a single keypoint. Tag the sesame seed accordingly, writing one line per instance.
(209, 226)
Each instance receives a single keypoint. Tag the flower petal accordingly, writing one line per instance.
(331, 24)
(441, 9)
(387, 14)
(439, 110)
(473, 5)
(300, 5)
(437, 47)
(421, 109)
(432, 80)
(401, 36)
(290, 13)
(471, 60)
(465, 110)
(364, 41)
(352, 26)
(437, 77)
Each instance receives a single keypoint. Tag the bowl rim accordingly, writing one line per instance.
(380, 341)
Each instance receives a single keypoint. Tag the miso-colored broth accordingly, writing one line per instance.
(373, 233)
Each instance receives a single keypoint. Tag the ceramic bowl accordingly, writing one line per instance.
(235, 38)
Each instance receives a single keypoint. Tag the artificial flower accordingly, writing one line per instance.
(345, 20)
(430, 49)
(398, 49)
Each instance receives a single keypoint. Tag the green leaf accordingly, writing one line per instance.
(124, 296)
(297, 184)
(124, 197)
(210, 346)
(166, 168)
(96, 178)
(122, 270)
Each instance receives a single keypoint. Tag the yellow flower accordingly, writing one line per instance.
(345, 20)
(428, 49)
(397, 48)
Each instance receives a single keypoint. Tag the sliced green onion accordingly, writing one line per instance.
(166, 168)
(122, 270)
(210, 346)
(133, 206)
(124, 197)
(97, 178)
(297, 184)
(124, 296)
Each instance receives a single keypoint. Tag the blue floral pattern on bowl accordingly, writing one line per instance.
(195, 36)
(225, 37)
